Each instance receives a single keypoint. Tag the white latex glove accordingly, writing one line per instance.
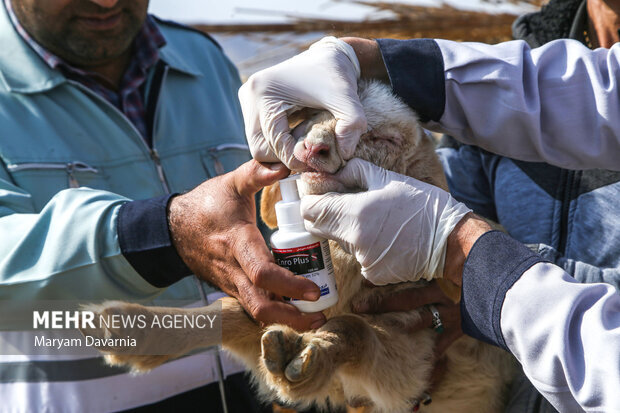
(397, 230)
(325, 77)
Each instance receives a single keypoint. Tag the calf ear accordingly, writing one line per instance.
(297, 117)
(269, 196)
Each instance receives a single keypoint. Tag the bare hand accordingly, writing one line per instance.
(413, 298)
(214, 230)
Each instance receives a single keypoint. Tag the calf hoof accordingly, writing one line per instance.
(301, 366)
(278, 348)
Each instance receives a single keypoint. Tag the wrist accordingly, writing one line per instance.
(145, 241)
(176, 211)
(369, 57)
(459, 243)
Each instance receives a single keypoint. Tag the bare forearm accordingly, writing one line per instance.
(369, 56)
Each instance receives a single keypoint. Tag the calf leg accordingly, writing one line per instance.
(368, 360)
(301, 366)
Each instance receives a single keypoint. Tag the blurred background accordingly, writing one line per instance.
(258, 34)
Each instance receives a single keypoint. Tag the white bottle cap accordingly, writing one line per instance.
(288, 211)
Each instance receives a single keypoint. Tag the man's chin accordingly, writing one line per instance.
(318, 183)
(85, 45)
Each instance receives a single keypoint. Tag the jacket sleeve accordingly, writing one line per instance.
(528, 104)
(68, 250)
(581, 271)
(565, 334)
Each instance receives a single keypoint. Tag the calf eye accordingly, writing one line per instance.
(392, 139)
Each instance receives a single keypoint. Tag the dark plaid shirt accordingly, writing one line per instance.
(128, 99)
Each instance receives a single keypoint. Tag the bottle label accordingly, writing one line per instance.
(311, 261)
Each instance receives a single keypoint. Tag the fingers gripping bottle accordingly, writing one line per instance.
(300, 252)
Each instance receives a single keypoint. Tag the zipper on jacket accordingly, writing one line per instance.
(151, 151)
(160, 77)
(71, 168)
(160, 170)
(571, 182)
(150, 116)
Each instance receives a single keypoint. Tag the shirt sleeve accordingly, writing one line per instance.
(565, 334)
(529, 104)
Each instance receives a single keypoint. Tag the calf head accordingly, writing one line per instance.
(394, 141)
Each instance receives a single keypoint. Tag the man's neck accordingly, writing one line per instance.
(110, 74)
(604, 22)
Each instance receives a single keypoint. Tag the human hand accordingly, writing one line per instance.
(397, 229)
(414, 298)
(214, 230)
(324, 77)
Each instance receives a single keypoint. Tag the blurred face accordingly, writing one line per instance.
(83, 32)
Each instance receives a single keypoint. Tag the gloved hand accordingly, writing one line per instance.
(324, 77)
(397, 230)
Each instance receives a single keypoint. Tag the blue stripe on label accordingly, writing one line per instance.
(324, 291)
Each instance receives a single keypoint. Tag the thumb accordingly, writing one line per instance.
(325, 216)
(252, 176)
(348, 132)
(281, 141)
(358, 173)
(318, 209)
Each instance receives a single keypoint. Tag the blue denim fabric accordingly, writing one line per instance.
(573, 215)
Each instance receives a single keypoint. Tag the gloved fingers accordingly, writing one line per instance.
(345, 104)
(331, 42)
(317, 207)
(358, 173)
(259, 146)
(279, 138)
(266, 125)
(350, 123)
(316, 231)
(348, 132)
(322, 232)
(327, 216)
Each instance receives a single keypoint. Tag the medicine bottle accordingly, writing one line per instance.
(300, 252)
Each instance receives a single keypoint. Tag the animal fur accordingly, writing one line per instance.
(359, 360)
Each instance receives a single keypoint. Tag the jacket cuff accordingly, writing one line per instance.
(416, 72)
(494, 264)
(145, 241)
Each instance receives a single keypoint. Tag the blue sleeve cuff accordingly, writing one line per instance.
(493, 265)
(416, 72)
(145, 241)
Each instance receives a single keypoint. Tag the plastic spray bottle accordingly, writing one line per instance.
(300, 252)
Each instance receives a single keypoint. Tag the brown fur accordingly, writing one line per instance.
(360, 360)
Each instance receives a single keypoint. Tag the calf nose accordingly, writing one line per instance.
(316, 149)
